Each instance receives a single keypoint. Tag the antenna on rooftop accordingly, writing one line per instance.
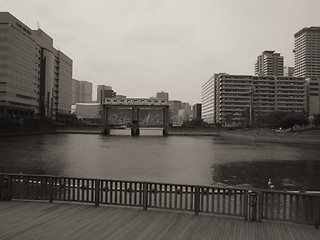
(38, 24)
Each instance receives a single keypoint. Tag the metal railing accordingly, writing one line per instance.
(254, 205)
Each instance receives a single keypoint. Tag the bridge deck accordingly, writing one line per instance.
(41, 220)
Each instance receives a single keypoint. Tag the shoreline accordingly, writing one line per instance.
(276, 138)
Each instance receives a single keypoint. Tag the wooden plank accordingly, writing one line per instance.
(25, 220)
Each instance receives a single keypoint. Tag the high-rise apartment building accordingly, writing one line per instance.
(307, 52)
(269, 63)
(208, 100)
(232, 94)
(313, 93)
(81, 91)
(307, 63)
(35, 78)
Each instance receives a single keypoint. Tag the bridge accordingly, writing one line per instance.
(135, 112)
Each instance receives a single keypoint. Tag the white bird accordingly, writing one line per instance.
(271, 186)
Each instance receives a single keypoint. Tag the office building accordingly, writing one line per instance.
(81, 91)
(307, 52)
(35, 78)
(104, 92)
(196, 111)
(233, 94)
(288, 71)
(269, 63)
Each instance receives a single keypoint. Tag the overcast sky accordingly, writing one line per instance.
(140, 47)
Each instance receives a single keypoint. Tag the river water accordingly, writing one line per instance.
(201, 160)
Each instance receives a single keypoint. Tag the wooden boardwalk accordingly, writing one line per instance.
(41, 220)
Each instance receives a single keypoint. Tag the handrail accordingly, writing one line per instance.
(250, 204)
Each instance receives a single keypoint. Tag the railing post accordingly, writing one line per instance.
(145, 196)
(97, 192)
(317, 212)
(10, 188)
(245, 205)
(197, 201)
(50, 189)
(260, 206)
(1, 186)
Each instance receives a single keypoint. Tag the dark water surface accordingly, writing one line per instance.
(176, 159)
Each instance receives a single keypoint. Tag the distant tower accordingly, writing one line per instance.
(162, 95)
(269, 63)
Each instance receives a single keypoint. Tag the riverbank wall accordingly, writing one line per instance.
(308, 137)
(13, 130)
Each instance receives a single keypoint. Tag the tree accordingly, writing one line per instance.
(228, 118)
(316, 119)
(196, 122)
(291, 119)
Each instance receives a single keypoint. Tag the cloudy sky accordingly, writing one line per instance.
(140, 47)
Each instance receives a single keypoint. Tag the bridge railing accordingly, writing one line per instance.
(248, 204)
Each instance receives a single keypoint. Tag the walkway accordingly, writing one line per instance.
(41, 220)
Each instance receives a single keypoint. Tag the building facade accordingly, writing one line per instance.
(307, 52)
(234, 94)
(313, 93)
(208, 101)
(81, 91)
(288, 71)
(162, 95)
(88, 111)
(307, 63)
(35, 77)
(196, 111)
(269, 63)
(104, 92)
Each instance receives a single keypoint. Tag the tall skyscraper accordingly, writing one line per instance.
(269, 63)
(307, 52)
(35, 78)
(81, 91)
(307, 64)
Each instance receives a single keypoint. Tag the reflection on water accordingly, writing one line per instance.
(175, 159)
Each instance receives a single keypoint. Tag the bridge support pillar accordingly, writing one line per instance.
(165, 121)
(106, 128)
(135, 130)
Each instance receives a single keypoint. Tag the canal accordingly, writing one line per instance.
(203, 160)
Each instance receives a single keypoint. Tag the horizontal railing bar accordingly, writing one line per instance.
(126, 181)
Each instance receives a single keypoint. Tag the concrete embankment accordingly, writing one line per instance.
(300, 138)
(14, 130)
